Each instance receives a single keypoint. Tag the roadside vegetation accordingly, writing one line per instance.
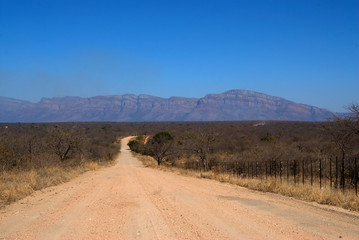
(35, 156)
(312, 161)
(311, 193)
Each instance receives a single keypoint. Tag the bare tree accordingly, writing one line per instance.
(201, 144)
(342, 137)
(353, 118)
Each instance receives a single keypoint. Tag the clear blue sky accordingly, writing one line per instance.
(306, 51)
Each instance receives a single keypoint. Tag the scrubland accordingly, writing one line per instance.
(36, 156)
(313, 161)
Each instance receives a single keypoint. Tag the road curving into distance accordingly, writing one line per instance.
(129, 201)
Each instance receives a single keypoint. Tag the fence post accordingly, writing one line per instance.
(303, 172)
(244, 168)
(252, 171)
(266, 170)
(295, 171)
(311, 172)
(356, 176)
(320, 173)
(330, 173)
(280, 170)
(256, 170)
(336, 172)
(239, 169)
(287, 171)
(342, 177)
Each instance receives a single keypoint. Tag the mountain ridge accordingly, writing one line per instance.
(232, 105)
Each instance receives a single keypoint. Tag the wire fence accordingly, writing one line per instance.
(335, 173)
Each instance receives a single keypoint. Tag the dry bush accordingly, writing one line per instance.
(15, 185)
(36, 156)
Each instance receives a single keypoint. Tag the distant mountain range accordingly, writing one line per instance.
(232, 105)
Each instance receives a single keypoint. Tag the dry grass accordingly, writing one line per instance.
(15, 184)
(302, 192)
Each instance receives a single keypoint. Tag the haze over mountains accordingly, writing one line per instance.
(232, 105)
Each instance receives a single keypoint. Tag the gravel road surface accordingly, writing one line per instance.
(129, 201)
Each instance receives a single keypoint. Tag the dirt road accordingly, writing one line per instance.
(128, 201)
